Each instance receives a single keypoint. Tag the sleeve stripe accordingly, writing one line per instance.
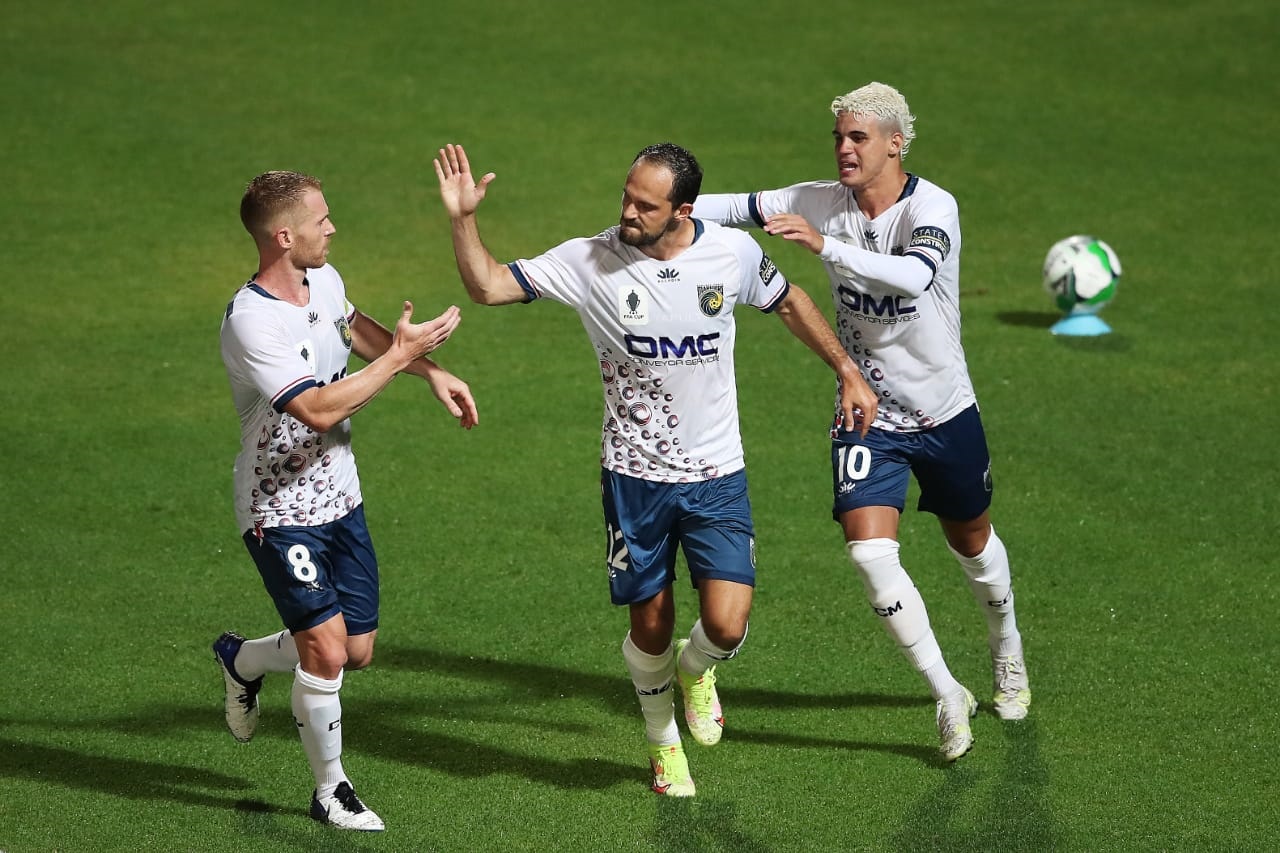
(753, 207)
(293, 389)
(521, 279)
(924, 257)
(782, 294)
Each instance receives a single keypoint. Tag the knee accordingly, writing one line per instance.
(323, 659)
(359, 659)
(878, 565)
(725, 635)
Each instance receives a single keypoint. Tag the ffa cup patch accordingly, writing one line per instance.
(633, 306)
(710, 298)
(344, 331)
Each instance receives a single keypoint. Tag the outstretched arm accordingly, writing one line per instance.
(487, 281)
(898, 274)
(858, 403)
(321, 408)
(726, 208)
(369, 339)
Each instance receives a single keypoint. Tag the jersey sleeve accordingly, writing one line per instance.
(763, 286)
(561, 274)
(903, 275)
(261, 353)
(934, 228)
(749, 210)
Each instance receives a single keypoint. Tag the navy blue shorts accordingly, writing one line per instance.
(950, 462)
(645, 522)
(315, 573)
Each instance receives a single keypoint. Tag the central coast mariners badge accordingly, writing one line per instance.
(710, 298)
(344, 331)
(633, 306)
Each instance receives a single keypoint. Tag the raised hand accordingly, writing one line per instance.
(458, 189)
(415, 340)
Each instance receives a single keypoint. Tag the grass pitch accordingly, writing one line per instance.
(1135, 473)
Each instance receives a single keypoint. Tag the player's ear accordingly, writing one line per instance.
(684, 211)
(284, 238)
(895, 144)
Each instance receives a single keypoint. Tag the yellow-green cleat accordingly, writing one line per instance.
(670, 771)
(702, 709)
(1012, 689)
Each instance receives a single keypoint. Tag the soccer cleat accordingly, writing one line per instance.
(670, 771)
(954, 713)
(702, 709)
(1013, 690)
(345, 811)
(241, 704)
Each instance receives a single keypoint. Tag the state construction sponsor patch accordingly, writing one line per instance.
(931, 237)
(768, 269)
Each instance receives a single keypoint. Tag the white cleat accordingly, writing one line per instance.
(241, 703)
(1012, 689)
(954, 733)
(345, 810)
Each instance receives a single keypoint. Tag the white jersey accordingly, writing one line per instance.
(907, 345)
(286, 473)
(664, 332)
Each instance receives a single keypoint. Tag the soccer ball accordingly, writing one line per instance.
(1081, 274)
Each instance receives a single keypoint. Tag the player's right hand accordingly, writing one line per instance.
(458, 189)
(418, 339)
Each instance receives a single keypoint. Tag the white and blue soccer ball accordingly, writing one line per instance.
(1081, 274)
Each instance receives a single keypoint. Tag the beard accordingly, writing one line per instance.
(635, 235)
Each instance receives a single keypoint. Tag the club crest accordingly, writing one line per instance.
(710, 298)
(344, 331)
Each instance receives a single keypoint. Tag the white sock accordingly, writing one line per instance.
(317, 711)
(272, 653)
(897, 602)
(701, 654)
(652, 675)
(992, 585)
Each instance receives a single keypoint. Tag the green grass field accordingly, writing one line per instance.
(1136, 474)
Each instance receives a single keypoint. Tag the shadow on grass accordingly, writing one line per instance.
(126, 777)
(551, 682)
(388, 730)
(393, 729)
(1017, 815)
(700, 825)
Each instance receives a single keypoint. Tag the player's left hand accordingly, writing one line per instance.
(456, 397)
(858, 403)
(797, 229)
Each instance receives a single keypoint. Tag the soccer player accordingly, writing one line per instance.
(890, 243)
(286, 337)
(656, 294)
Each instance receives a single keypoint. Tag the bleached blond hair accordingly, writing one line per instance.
(886, 104)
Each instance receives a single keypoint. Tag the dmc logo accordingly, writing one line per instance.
(664, 347)
(887, 611)
(864, 303)
(668, 274)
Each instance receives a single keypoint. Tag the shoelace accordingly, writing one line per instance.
(1007, 669)
(700, 693)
